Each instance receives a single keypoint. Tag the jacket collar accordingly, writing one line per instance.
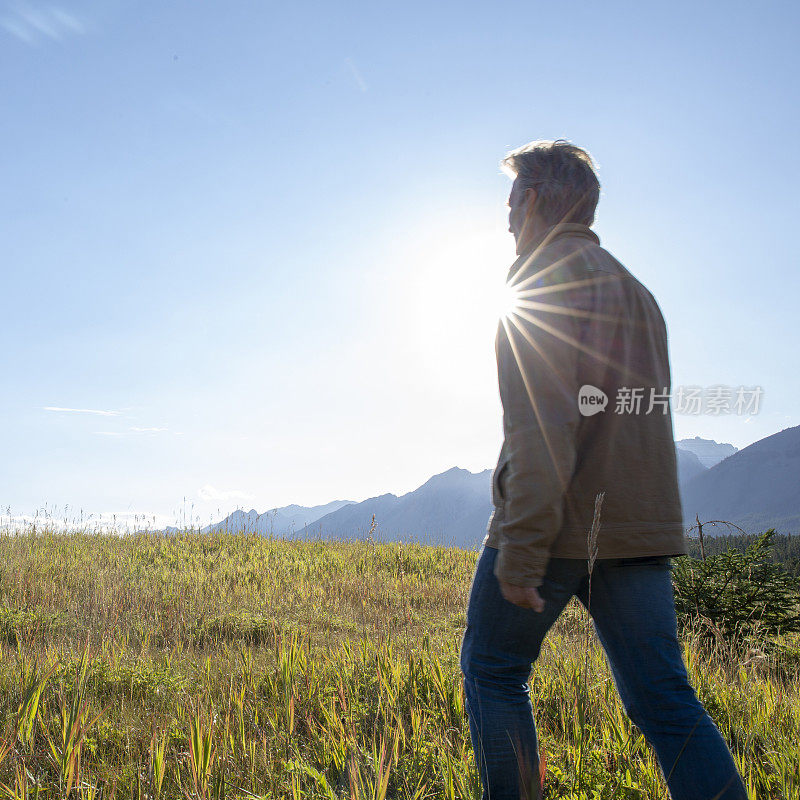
(548, 236)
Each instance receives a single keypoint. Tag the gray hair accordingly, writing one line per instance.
(563, 175)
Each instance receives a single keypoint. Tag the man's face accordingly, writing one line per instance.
(518, 205)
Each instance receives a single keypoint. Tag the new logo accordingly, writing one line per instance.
(591, 400)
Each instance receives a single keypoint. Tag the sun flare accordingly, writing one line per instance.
(507, 300)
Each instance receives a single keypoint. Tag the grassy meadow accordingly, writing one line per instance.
(237, 666)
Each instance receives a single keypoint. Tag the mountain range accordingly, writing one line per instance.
(756, 488)
(708, 452)
(451, 508)
(284, 521)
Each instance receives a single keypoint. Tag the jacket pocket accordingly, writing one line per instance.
(499, 474)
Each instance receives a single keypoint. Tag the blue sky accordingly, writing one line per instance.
(263, 237)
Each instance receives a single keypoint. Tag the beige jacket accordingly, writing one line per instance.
(582, 320)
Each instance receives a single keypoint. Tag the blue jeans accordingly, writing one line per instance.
(634, 615)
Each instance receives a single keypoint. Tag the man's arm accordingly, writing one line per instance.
(537, 361)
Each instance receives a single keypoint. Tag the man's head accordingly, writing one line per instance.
(554, 181)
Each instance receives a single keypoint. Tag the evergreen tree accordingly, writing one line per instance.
(737, 591)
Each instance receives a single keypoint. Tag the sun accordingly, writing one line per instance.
(508, 299)
(451, 287)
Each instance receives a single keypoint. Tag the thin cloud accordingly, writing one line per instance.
(355, 72)
(209, 492)
(96, 411)
(133, 430)
(30, 24)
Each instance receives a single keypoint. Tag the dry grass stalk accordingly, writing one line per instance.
(592, 549)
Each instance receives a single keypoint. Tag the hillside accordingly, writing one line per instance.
(709, 453)
(756, 488)
(689, 466)
(284, 521)
(450, 508)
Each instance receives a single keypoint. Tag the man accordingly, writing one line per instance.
(584, 380)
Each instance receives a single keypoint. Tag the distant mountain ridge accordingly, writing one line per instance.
(708, 452)
(697, 455)
(451, 508)
(283, 521)
(756, 487)
(689, 466)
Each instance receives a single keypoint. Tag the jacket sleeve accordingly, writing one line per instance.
(537, 362)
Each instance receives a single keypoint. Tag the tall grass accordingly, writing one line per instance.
(237, 666)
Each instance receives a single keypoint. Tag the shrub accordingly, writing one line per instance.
(736, 592)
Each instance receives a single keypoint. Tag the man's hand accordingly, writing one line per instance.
(522, 596)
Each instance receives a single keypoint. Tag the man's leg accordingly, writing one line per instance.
(500, 644)
(634, 613)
